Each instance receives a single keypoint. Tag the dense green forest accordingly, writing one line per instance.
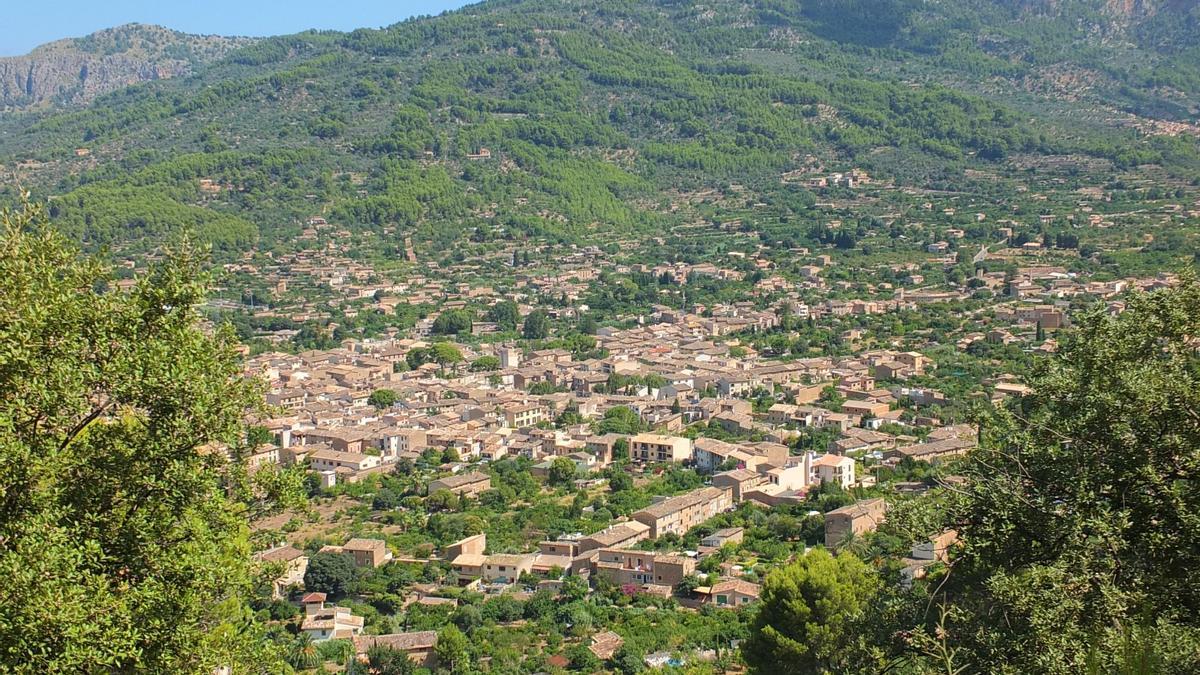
(585, 120)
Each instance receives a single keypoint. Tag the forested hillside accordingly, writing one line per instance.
(570, 120)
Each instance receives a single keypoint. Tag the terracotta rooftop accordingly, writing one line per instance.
(425, 639)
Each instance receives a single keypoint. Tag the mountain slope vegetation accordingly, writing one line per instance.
(593, 120)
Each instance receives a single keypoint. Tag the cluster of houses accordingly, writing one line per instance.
(671, 374)
(676, 369)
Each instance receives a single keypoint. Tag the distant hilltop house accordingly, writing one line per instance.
(366, 552)
(469, 484)
(733, 593)
(855, 519)
(294, 564)
(483, 153)
(323, 622)
(419, 646)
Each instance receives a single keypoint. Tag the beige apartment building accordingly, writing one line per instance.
(624, 566)
(854, 519)
(659, 448)
(507, 568)
(332, 460)
(738, 482)
(682, 513)
(836, 469)
(524, 415)
(616, 536)
(366, 552)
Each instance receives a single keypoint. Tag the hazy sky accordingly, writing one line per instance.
(29, 23)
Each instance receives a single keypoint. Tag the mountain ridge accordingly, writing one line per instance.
(75, 71)
(598, 118)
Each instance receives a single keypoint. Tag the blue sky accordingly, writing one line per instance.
(29, 23)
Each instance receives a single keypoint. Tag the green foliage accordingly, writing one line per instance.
(594, 126)
(574, 588)
(1078, 517)
(125, 536)
(809, 615)
(302, 653)
(505, 314)
(485, 364)
(384, 661)
(332, 573)
(258, 435)
(537, 325)
(618, 480)
(453, 322)
(383, 398)
(446, 354)
(562, 471)
(441, 353)
(452, 649)
(338, 651)
(100, 214)
(620, 420)
(544, 388)
(441, 500)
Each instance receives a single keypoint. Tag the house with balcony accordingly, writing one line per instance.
(328, 622)
(835, 469)
(660, 448)
(643, 568)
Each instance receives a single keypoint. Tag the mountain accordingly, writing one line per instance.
(75, 71)
(593, 121)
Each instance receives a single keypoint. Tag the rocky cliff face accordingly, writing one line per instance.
(77, 70)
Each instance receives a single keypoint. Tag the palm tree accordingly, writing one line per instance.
(303, 654)
(855, 544)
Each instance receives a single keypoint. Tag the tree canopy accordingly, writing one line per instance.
(505, 314)
(453, 322)
(1079, 522)
(332, 573)
(123, 525)
(383, 398)
(809, 615)
(620, 420)
(537, 325)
